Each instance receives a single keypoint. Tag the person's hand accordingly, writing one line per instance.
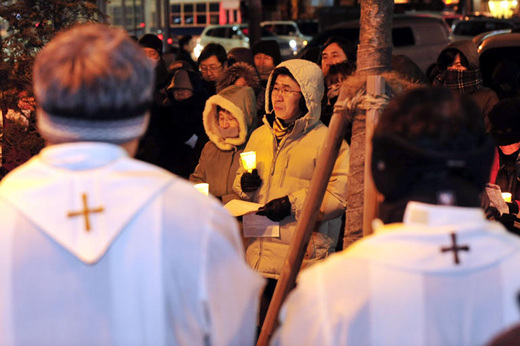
(250, 182)
(277, 209)
(513, 207)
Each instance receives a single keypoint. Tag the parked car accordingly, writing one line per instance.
(468, 27)
(420, 37)
(236, 35)
(494, 47)
(289, 31)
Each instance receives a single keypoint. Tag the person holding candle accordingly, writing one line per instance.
(287, 147)
(229, 118)
(505, 129)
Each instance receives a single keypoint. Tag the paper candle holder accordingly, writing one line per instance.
(248, 160)
(202, 187)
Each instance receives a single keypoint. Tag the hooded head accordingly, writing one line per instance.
(468, 53)
(309, 78)
(181, 86)
(458, 67)
(240, 102)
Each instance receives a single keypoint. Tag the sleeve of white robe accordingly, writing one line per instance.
(232, 287)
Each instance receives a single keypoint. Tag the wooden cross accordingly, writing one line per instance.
(85, 212)
(455, 248)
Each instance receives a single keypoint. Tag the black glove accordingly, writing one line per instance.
(508, 220)
(250, 181)
(513, 207)
(277, 209)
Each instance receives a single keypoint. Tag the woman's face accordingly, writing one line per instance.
(456, 65)
(286, 97)
(226, 120)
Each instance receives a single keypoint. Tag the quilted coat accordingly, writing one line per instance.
(286, 168)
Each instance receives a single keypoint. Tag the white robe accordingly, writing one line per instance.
(162, 264)
(397, 287)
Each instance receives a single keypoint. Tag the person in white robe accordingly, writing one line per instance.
(444, 275)
(97, 248)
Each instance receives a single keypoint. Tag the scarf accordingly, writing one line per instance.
(280, 129)
(462, 81)
(230, 132)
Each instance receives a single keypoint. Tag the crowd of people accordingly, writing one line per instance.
(105, 240)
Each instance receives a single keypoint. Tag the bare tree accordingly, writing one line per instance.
(373, 58)
(30, 24)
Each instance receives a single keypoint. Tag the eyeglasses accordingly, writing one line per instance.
(211, 68)
(284, 91)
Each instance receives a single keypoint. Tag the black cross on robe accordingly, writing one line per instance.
(455, 248)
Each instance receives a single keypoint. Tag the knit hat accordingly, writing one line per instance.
(505, 121)
(268, 47)
(238, 54)
(181, 80)
(151, 41)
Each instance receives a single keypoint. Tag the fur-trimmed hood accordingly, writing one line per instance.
(241, 102)
(237, 70)
(309, 77)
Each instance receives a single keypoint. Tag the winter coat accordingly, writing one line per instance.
(220, 157)
(177, 121)
(485, 98)
(286, 169)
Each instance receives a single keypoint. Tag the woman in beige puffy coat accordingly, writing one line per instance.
(287, 148)
(220, 157)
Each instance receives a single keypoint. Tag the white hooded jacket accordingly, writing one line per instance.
(286, 169)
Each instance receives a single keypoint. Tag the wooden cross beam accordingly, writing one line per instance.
(85, 212)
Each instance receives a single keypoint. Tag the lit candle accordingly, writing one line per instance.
(203, 187)
(248, 160)
(506, 196)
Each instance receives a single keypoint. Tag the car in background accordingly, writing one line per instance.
(420, 37)
(467, 28)
(493, 48)
(236, 35)
(289, 31)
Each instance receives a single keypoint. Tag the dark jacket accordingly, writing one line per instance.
(165, 142)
